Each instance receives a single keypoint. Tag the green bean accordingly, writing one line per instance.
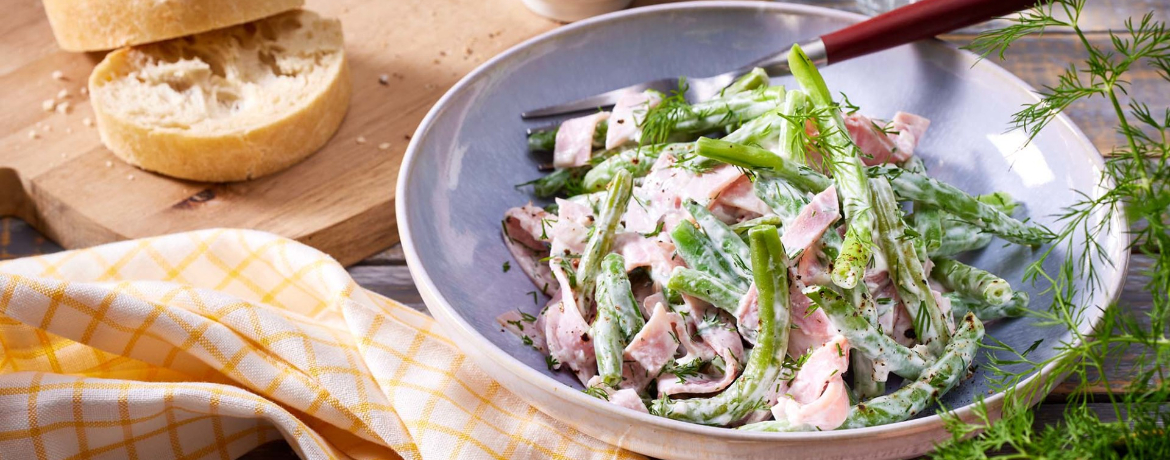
(865, 382)
(864, 337)
(749, 392)
(849, 174)
(545, 140)
(959, 236)
(720, 233)
(907, 401)
(616, 200)
(613, 287)
(971, 282)
(706, 287)
(926, 190)
(1016, 307)
(757, 77)
(906, 270)
(743, 227)
(757, 131)
(915, 165)
(927, 221)
(618, 318)
(763, 161)
(784, 199)
(728, 111)
(790, 144)
(608, 344)
(702, 253)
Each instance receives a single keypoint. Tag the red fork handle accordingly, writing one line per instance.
(913, 22)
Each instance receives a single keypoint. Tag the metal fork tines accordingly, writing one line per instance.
(697, 89)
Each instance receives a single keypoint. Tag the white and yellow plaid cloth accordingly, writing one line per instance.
(208, 344)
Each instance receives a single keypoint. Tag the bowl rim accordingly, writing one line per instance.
(442, 309)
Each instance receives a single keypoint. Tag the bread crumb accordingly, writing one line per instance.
(384, 146)
(87, 122)
(109, 164)
(384, 79)
(361, 139)
(32, 134)
(48, 105)
(63, 107)
(64, 93)
(58, 75)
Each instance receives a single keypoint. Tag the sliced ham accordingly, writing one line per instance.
(944, 304)
(657, 253)
(661, 195)
(910, 128)
(813, 220)
(826, 361)
(516, 323)
(825, 413)
(567, 333)
(628, 399)
(628, 113)
(741, 194)
(574, 143)
(747, 315)
(567, 237)
(722, 341)
(903, 328)
(891, 143)
(811, 330)
(816, 397)
(526, 224)
(655, 345)
(810, 270)
(574, 211)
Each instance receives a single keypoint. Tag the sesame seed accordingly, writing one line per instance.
(64, 93)
(87, 122)
(58, 75)
(109, 164)
(361, 139)
(33, 134)
(48, 105)
(384, 79)
(384, 146)
(63, 107)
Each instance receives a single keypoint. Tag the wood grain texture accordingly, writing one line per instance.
(55, 173)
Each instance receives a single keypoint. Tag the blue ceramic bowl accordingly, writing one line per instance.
(468, 154)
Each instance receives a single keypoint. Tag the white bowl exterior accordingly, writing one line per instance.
(422, 202)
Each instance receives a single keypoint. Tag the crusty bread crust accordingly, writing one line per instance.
(92, 25)
(154, 113)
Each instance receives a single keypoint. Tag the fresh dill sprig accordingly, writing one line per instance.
(1135, 186)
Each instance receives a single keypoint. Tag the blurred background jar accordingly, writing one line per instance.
(574, 10)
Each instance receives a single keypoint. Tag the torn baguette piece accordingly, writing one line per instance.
(227, 105)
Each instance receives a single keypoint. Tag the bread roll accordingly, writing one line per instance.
(227, 105)
(91, 25)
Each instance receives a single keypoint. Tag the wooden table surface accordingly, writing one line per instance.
(1037, 60)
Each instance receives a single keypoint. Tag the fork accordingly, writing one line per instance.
(913, 22)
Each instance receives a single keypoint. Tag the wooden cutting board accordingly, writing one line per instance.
(55, 173)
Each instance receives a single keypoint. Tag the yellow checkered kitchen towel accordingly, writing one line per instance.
(207, 344)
